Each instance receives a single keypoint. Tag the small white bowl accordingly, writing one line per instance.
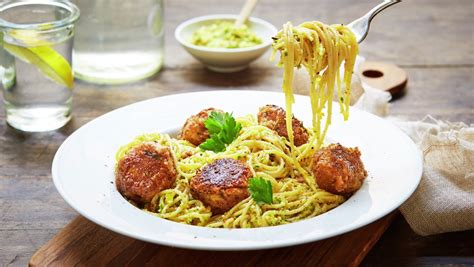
(225, 59)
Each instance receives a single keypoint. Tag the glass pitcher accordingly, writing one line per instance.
(118, 41)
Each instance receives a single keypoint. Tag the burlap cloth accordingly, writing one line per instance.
(444, 200)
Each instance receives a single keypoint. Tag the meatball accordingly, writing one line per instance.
(144, 172)
(221, 184)
(194, 130)
(338, 169)
(274, 117)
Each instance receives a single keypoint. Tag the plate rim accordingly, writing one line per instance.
(237, 246)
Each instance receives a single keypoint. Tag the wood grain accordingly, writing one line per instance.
(84, 243)
(449, 249)
(431, 39)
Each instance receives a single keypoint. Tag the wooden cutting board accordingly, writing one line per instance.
(84, 243)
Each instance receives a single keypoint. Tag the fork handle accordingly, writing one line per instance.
(377, 9)
(360, 27)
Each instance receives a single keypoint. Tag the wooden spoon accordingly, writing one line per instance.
(245, 12)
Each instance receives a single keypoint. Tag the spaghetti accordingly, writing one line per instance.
(268, 156)
(321, 49)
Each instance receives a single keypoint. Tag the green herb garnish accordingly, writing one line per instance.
(223, 130)
(213, 143)
(261, 190)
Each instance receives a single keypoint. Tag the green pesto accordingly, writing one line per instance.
(223, 34)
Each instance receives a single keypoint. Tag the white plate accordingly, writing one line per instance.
(83, 172)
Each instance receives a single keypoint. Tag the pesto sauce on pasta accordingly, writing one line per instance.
(268, 156)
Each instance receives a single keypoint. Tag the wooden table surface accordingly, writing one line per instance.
(432, 40)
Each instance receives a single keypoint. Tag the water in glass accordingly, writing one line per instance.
(35, 64)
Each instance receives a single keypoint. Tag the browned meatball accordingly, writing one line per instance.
(144, 172)
(338, 169)
(274, 117)
(194, 130)
(221, 184)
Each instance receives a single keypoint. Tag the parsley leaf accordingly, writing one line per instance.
(213, 143)
(223, 130)
(261, 190)
(214, 123)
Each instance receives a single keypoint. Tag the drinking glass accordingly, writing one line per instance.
(118, 41)
(35, 62)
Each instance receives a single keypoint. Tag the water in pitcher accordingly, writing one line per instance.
(118, 41)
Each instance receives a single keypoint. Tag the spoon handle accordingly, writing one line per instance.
(245, 12)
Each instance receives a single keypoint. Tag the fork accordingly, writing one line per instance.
(360, 27)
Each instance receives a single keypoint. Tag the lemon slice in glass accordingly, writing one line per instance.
(47, 60)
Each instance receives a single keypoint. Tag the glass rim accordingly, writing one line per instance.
(73, 16)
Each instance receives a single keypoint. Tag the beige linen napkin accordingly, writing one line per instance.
(444, 200)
